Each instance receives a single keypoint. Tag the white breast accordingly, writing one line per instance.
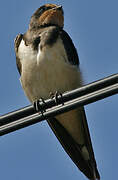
(46, 70)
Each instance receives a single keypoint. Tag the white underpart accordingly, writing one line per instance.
(48, 70)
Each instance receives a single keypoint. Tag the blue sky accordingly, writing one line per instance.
(34, 153)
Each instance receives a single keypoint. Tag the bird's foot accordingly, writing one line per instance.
(39, 105)
(57, 97)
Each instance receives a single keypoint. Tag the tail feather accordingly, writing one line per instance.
(73, 150)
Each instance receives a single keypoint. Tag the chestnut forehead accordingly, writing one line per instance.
(50, 5)
(43, 8)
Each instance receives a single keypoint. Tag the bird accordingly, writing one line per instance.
(48, 62)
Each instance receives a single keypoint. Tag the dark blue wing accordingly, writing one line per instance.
(69, 48)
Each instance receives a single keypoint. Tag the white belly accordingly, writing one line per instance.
(46, 71)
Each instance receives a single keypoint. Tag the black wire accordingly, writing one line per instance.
(29, 110)
(69, 105)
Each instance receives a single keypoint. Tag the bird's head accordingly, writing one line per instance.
(48, 14)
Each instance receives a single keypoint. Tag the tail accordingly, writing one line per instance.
(74, 150)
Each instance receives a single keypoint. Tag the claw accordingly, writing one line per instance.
(56, 97)
(38, 104)
(51, 95)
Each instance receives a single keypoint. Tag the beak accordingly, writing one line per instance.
(58, 7)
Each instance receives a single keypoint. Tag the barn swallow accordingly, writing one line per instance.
(47, 61)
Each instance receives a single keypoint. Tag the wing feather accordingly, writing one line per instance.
(17, 41)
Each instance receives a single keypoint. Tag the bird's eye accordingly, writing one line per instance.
(41, 10)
